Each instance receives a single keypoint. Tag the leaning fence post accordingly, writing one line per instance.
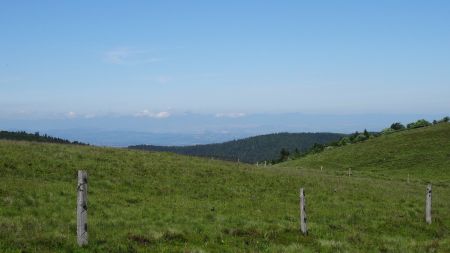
(428, 205)
(303, 227)
(82, 234)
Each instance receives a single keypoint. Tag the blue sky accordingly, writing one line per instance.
(157, 59)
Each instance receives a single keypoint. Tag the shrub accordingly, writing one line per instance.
(387, 131)
(344, 141)
(444, 119)
(419, 123)
(360, 137)
(353, 136)
(316, 148)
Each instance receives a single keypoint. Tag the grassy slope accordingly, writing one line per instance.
(423, 153)
(145, 201)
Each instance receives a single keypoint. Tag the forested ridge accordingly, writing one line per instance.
(24, 136)
(252, 149)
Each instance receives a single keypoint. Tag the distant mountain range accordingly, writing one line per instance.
(122, 138)
(182, 129)
(252, 149)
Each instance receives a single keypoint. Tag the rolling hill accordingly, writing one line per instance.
(253, 149)
(423, 153)
(163, 202)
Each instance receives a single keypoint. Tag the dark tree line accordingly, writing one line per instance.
(397, 126)
(253, 149)
(24, 136)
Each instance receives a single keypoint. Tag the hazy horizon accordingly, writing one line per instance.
(191, 128)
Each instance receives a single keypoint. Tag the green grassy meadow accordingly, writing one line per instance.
(423, 153)
(142, 201)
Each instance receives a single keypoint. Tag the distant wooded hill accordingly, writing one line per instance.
(24, 136)
(253, 149)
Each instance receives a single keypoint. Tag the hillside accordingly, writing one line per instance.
(253, 149)
(162, 202)
(423, 153)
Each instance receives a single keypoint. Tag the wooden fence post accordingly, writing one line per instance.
(428, 205)
(349, 171)
(82, 233)
(303, 227)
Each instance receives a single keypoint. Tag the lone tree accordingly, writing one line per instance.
(397, 126)
(284, 154)
(366, 134)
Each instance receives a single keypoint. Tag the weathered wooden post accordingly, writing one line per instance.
(303, 227)
(321, 168)
(265, 163)
(349, 171)
(82, 233)
(428, 205)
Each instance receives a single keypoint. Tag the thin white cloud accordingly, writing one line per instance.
(150, 114)
(230, 115)
(71, 115)
(117, 56)
(129, 56)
